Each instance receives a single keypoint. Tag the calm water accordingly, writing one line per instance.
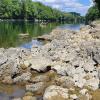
(9, 32)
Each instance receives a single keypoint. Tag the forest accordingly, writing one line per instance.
(29, 10)
(94, 11)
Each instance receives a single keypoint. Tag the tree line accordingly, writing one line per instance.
(29, 10)
(94, 11)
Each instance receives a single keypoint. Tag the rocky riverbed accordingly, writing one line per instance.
(67, 67)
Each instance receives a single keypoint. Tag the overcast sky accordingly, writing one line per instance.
(80, 6)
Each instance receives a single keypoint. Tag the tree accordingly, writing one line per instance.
(93, 13)
(27, 9)
(5, 8)
(97, 3)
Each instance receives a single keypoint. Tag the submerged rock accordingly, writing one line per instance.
(36, 88)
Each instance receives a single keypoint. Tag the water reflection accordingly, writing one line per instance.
(9, 32)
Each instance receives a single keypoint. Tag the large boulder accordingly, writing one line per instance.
(40, 64)
(55, 93)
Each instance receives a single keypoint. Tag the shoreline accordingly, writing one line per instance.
(68, 64)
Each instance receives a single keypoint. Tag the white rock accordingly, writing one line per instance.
(23, 77)
(93, 83)
(74, 96)
(71, 71)
(79, 81)
(89, 65)
(60, 69)
(83, 91)
(55, 91)
(27, 64)
(40, 64)
(3, 59)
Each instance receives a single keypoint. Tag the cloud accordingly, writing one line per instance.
(68, 5)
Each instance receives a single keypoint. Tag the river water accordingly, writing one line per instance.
(10, 32)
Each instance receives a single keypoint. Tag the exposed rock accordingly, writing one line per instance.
(24, 77)
(84, 97)
(89, 65)
(55, 92)
(25, 65)
(40, 78)
(29, 98)
(60, 69)
(64, 81)
(97, 58)
(99, 73)
(93, 83)
(17, 99)
(3, 59)
(7, 80)
(79, 81)
(83, 91)
(73, 97)
(40, 64)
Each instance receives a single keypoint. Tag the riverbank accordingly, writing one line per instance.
(67, 67)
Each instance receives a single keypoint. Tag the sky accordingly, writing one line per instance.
(79, 6)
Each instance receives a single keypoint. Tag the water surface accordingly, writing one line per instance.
(9, 32)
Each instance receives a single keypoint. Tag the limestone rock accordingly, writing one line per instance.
(65, 81)
(93, 83)
(3, 59)
(37, 88)
(83, 91)
(40, 78)
(29, 98)
(55, 92)
(7, 80)
(24, 77)
(40, 64)
(73, 97)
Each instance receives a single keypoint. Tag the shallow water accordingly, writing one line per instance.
(9, 32)
(8, 92)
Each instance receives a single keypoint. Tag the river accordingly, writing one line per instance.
(10, 32)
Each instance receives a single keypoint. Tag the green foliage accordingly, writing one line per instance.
(27, 9)
(97, 3)
(93, 13)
